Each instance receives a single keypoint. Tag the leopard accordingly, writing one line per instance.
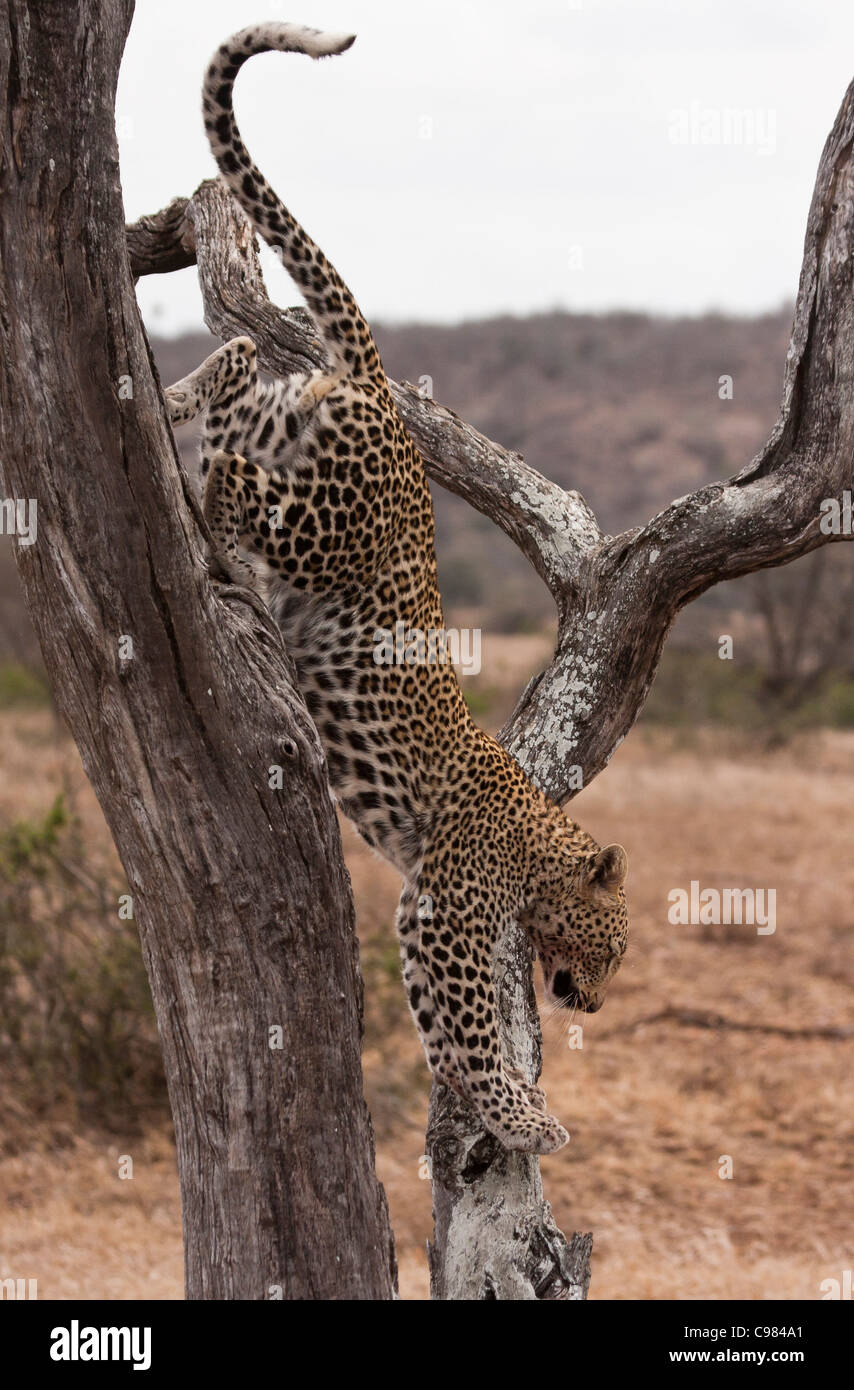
(317, 500)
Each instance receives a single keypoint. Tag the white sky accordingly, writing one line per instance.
(551, 174)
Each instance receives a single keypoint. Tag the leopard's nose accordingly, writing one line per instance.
(564, 989)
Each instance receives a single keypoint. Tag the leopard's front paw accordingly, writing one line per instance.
(531, 1132)
(535, 1095)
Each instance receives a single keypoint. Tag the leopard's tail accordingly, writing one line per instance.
(340, 322)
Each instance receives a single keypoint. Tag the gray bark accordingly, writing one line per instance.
(617, 597)
(240, 891)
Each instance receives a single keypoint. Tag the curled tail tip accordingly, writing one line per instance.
(277, 34)
(314, 42)
(329, 44)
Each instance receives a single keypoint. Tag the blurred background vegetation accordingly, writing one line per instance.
(77, 1030)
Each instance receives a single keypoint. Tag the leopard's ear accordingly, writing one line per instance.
(607, 869)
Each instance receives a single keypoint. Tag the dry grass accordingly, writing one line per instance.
(650, 1111)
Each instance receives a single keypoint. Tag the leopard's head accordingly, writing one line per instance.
(579, 926)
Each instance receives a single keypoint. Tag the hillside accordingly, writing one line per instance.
(623, 407)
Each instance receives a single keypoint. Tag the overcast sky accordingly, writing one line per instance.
(467, 159)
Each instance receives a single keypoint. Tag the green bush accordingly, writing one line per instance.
(693, 688)
(22, 687)
(77, 1030)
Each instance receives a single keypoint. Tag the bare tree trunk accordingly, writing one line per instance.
(494, 1235)
(180, 697)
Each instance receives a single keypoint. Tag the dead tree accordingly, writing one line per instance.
(616, 599)
(616, 596)
(181, 700)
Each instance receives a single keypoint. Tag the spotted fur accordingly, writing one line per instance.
(316, 497)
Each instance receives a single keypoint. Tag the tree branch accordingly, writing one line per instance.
(162, 242)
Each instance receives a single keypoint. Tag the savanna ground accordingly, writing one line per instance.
(652, 1109)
